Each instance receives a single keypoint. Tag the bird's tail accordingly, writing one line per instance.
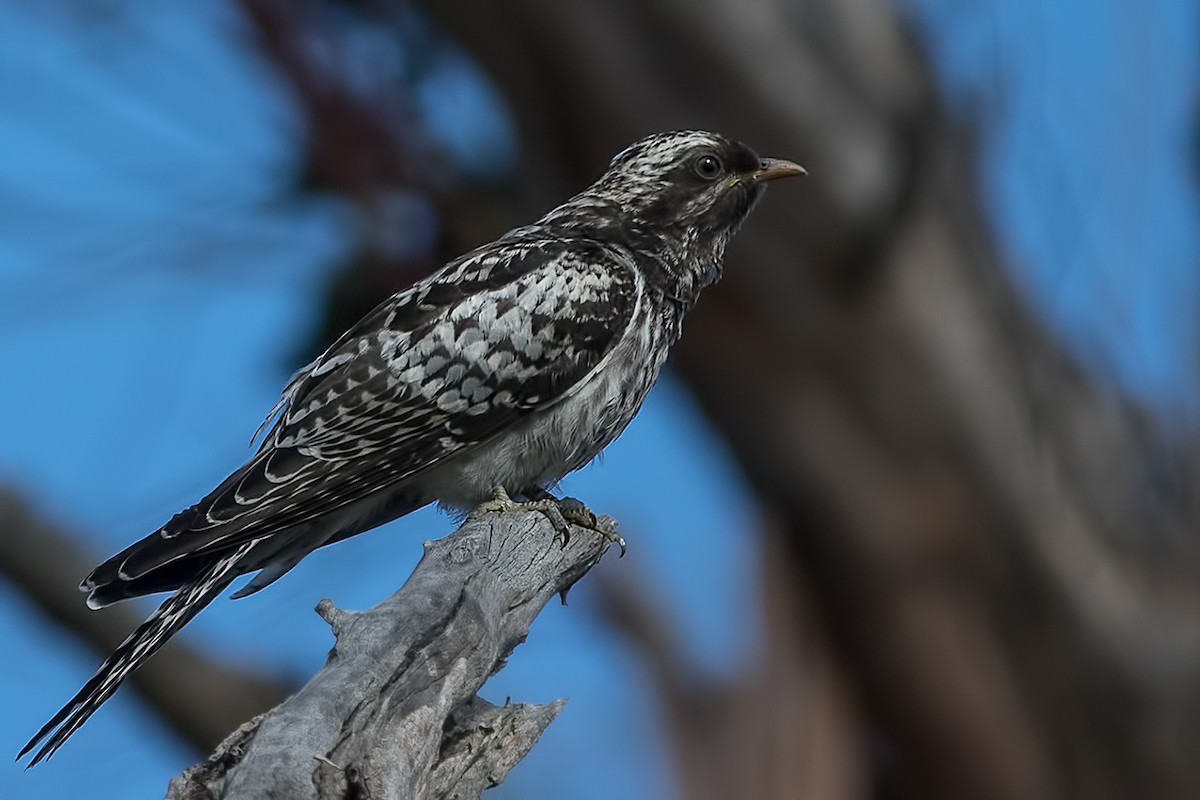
(173, 614)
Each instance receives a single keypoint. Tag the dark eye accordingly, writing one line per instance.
(708, 167)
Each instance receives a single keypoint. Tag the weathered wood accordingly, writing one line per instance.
(393, 713)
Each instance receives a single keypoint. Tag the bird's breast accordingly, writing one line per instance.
(548, 444)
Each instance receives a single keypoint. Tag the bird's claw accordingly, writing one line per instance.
(575, 512)
(561, 513)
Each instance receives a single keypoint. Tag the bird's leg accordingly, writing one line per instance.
(561, 513)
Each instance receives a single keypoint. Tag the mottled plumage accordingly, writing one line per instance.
(510, 367)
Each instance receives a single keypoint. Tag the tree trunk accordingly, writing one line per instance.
(393, 714)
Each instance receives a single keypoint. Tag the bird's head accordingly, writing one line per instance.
(689, 179)
(678, 197)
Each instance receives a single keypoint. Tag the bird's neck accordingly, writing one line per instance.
(678, 261)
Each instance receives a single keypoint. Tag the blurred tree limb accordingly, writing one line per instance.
(393, 714)
(46, 565)
(784, 726)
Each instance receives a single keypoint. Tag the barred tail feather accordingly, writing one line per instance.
(165, 622)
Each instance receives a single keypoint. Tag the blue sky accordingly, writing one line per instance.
(152, 286)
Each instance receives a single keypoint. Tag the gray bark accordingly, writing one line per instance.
(394, 712)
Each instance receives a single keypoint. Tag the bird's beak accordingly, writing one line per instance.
(770, 169)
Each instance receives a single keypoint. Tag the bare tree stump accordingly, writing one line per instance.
(393, 713)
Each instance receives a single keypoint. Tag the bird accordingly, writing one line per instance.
(495, 376)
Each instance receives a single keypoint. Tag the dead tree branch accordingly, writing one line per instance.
(394, 711)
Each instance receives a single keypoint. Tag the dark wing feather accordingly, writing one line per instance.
(440, 368)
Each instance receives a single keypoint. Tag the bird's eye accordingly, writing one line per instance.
(708, 167)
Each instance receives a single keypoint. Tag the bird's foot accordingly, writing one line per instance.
(501, 503)
(574, 511)
(561, 512)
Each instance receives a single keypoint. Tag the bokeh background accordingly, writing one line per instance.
(914, 513)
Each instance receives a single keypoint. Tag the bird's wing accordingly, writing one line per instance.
(504, 331)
